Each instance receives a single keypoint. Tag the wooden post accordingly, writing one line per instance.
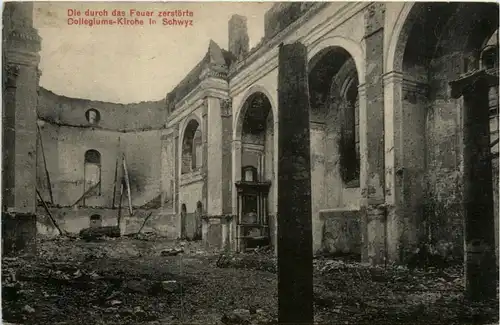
(116, 173)
(50, 214)
(87, 192)
(49, 183)
(120, 203)
(295, 268)
(127, 182)
(479, 258)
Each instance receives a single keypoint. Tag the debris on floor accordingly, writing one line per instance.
(133, 281)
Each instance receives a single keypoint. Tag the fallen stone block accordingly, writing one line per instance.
(170, 286)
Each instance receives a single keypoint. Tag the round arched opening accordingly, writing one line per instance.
(257, 136)
(191, 148)
(333, 91)
(438, 43)
(93, 116)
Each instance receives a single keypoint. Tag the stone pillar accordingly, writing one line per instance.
(373, 189)
(226, 159)
(236, 155)
(177, 158)
(317, 181)
(21, 45)
(219, 136)
(480, 264)
(204, 168)
(393, 145)
(405, 148)
(295, 272)
(236, 176)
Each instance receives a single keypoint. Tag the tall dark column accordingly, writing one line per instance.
(479, 259)
(295, 270)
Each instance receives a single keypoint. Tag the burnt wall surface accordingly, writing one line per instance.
(65, 136)
(116, 117)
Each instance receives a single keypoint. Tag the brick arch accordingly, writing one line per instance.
(240, 113)
(355, 50)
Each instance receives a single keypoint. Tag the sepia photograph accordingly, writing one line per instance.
(250, 163)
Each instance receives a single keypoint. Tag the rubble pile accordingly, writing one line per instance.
(134, 281)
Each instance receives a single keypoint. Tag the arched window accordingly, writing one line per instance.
(92, 173)
(93, 116)
(191, 148)
(349, 136)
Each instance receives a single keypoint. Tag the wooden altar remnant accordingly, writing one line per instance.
(252, 227)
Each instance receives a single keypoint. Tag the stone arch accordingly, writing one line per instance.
(256, 133)
(334, 98)
(191, 146)
(355, 50)
(407, 17)
(345, 87)
(242, 109)
(185, 121)
(397, 39)
(431, 44)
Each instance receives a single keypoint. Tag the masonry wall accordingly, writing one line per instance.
(191, 193)
(64, 149)
(73, 220)
(66, 136)
(143, 157)
(327, 189)
(116, 117)
(168, 170)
